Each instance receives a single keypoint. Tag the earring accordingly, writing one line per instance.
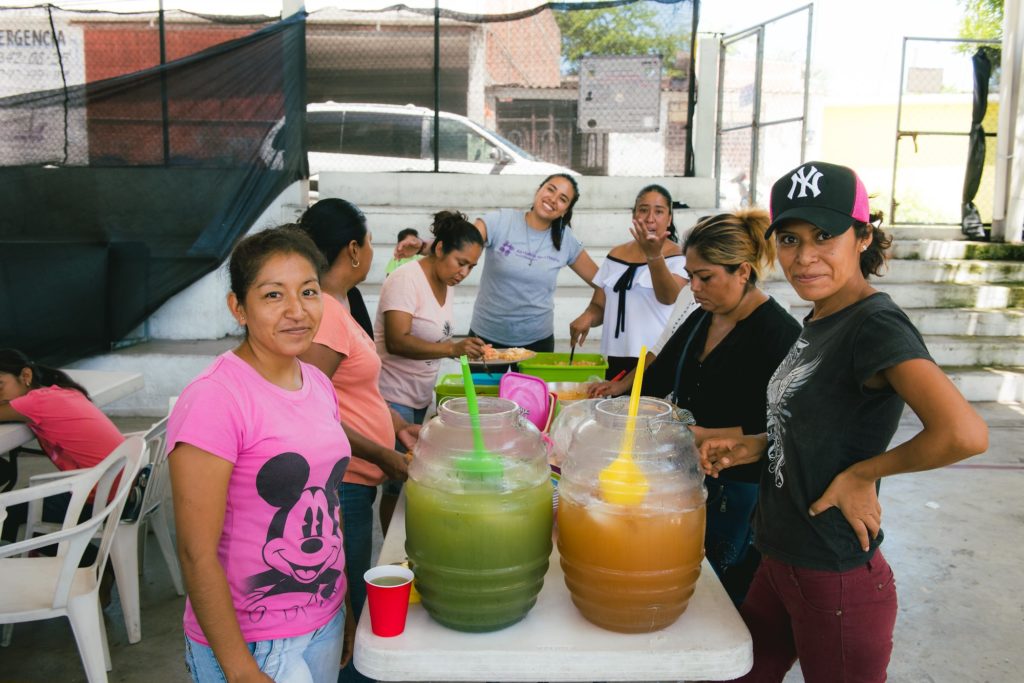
(864, 247)
(355, 263)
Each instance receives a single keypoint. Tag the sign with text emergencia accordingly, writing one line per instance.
(30, 62)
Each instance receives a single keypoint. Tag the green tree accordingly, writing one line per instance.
(982, 19)
(635, 29)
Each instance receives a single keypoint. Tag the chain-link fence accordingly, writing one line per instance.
(46, 50)
(762, 106)
(599, 88)
(936, 114)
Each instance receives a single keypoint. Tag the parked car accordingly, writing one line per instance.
(390, 138)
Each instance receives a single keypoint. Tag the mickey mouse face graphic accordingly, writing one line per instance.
(303, 539)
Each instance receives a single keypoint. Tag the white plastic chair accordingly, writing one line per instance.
(124, 554)
(43, 587)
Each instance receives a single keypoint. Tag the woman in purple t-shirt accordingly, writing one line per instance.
(257, 456)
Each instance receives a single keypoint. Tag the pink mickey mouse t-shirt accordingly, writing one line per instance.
(281, 546)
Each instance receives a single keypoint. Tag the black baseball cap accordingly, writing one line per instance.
(827, 195)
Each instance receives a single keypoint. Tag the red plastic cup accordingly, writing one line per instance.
(387, 595)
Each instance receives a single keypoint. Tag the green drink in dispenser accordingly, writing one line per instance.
(479, 536)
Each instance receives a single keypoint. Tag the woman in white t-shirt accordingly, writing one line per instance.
(637, 284)
(413, 330)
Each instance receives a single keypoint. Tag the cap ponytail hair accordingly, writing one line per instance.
(873, 258)
(13, 362)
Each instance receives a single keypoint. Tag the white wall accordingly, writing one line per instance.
(200, 311)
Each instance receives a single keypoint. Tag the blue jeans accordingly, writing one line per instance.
(357, 515)
(392, 487)
(310, 658)
(729, 534)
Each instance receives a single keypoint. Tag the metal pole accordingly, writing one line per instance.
(718, 121)
(692, 94)
(1011, 229)
(755, 130)
(163, 89)
(807, 83)
(896, 151)
(1008, 121)
(437, 85)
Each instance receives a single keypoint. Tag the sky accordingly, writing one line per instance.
(857, 44)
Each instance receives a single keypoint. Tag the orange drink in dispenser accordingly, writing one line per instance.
(631, 563)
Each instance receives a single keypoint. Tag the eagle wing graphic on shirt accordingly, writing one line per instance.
(791, 374)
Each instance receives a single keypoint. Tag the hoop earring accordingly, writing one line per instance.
(355, 263)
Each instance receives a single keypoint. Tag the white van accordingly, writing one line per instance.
(389, 138)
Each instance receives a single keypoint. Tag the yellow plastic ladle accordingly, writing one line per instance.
(623, 482)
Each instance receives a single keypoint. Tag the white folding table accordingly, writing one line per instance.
(555, 643)
(103, 387)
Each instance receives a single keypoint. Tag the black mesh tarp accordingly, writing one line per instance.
(119, 193)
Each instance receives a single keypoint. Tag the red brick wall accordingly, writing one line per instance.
(526, 52)
(208, 128)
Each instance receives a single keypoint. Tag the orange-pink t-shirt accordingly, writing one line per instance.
(72, 431)
(408, 381)
(356, 383)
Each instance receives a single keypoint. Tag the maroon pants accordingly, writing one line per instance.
(838, 624)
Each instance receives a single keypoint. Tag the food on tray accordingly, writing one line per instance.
(511, 355)
(572, 394)
(580, 363)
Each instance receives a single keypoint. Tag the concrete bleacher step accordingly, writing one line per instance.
(925, 232)
(954, 321)
(595, 228)
(914, 248)
(573, 298)
(1002, 384)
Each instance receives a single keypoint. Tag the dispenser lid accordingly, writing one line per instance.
(530, 394)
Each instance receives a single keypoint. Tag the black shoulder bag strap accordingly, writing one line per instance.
(682, 356)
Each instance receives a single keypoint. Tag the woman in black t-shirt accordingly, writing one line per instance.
(823, 593)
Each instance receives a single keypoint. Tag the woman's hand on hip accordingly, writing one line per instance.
(857, 499)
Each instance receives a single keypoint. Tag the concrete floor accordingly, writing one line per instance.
(953, 538)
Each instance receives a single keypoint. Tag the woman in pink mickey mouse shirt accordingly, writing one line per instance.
(258, 454)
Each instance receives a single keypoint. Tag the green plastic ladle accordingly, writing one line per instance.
(481, 464)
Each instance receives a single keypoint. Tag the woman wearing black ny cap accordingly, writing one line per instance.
(823, 593)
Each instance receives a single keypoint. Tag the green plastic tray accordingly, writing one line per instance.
(451, 385)
(553, 367)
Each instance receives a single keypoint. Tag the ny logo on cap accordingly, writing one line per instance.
(808, 179)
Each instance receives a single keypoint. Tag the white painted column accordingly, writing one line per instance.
(705, 112)
(1008, 201)
(475, 108)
